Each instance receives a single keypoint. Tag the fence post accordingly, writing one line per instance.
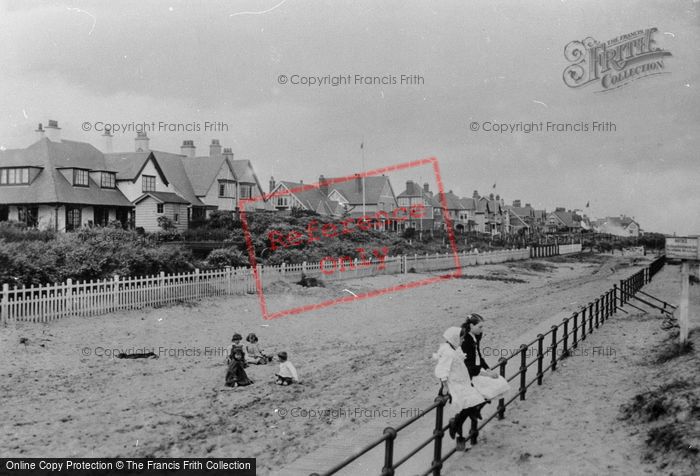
(197, 285)
(590, 318)
(523, 370)
(390, 433)
(161, 287)
(583, 323)
(69, 296)
(502, 401)
(115, 292)
(622, 292)
(614, 298)
(554, 347)
(4, 302)
(540, 357)
(565, 350)
(574, 344)
(438, 434)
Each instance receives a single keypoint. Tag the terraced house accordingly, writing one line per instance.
(64, 185)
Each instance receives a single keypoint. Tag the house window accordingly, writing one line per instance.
(28, 216)
(14, 176)
(80, 177)
(149, 183)
(176, 218)
(73, 218)
(282, 202)
(159, 208)
(101, 216)
(108, 180)
(226, 189)
(246, 191)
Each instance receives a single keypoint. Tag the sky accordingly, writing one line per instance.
(479, 62)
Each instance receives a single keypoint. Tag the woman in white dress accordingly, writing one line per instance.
(456, 383)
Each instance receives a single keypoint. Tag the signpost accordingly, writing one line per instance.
(686, 249)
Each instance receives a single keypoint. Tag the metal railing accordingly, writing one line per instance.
(553, 346)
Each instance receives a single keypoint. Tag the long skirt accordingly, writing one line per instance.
(489, 387)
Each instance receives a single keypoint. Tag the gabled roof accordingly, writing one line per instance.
(244, 173)
(452, 201)
(312, 199)
(352, 189)
(521, 211)
(202, 172)
(566, 218)
(50, 186)
(170, 166)
(468, 203)
(162, 197)
(412, 190)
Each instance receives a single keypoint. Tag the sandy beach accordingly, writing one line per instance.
(63, 394)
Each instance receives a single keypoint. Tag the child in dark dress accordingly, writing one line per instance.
(236, 376)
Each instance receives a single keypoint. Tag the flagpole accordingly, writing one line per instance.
(362, 147)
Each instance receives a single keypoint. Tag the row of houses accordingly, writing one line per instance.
(64, 185)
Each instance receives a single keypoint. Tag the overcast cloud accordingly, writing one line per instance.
(501, 61)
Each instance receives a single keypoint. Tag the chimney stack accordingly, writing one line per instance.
(141, 142)
(107, 140)
(228, 153)
(40, 132)
(528, 205)
(475, 195)
(358, 182)
(516, 203)
(215, 148)
(187, 148)
(426, 187)
(53, 132)
(323, 184)
(491, 196)
(272, 183)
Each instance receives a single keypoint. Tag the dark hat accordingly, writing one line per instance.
(282, 355)
(251, 337)
(236, 336)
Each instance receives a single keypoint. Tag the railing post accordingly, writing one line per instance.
(540, 357)
(502, 401)
(614, 298)
(388, 469)
(622, 293)
(565, 350)
(590, 318)
(438, 434)
(597, 312)
(523, 370)
(554, 348)
(574, 344)
(583, 323)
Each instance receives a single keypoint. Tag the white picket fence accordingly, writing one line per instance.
(53, 301)
(568, 249)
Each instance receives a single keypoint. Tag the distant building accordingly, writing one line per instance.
(563, 221)
(623, 226)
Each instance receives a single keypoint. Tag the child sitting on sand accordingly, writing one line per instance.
(287, 374)
(236, 376)
(236, 344)
(253, 353)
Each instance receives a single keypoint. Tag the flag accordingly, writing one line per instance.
(494, 185)
(588, 204)
(362, 145)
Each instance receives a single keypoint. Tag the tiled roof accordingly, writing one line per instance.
(312, 198)
(163, 197)
(352, 189)
(50, 186)
(203, 171)
(452, 201)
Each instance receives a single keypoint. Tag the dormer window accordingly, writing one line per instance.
(14, 176)
(80, 178)
(108, 180)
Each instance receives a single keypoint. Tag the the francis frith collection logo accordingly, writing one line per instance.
(614, 63)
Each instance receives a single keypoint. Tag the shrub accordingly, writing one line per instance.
(227, 257)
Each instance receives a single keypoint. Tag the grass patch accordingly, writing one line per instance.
(674, 350)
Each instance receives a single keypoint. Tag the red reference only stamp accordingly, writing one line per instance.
(396, 218)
